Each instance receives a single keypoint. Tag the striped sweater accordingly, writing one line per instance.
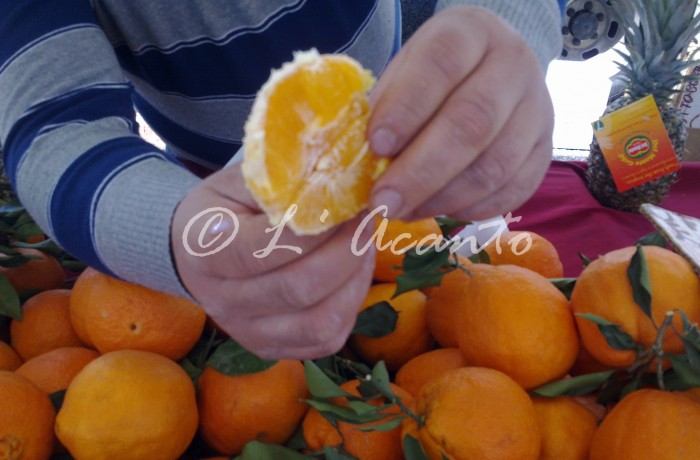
(72, 74)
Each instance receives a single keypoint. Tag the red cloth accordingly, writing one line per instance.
(563, 211)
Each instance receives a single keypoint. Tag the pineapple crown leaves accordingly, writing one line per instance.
(657, 37)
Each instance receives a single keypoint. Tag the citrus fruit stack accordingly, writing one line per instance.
(111, 347)
(467, 358)
(505, 327)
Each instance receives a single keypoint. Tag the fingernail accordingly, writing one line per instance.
(389, 198)
(383, 142)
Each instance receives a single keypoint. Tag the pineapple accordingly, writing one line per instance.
(655, 63)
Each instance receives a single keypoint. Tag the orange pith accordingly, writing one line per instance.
(305, 142)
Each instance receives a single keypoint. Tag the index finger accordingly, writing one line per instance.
(422, 75)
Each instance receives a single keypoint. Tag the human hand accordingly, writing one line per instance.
(465, 110)
(285, 304)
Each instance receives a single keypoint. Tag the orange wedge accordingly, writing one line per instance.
(306, 155)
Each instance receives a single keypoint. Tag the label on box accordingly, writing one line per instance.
(683, 232)
(689, 101)
(635, 144)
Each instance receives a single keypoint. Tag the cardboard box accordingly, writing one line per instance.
(689, 105)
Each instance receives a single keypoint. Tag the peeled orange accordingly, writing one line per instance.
(305, 149)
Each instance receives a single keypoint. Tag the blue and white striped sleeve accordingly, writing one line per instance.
(71, 147)
(537, 21)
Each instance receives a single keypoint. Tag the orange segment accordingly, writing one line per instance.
(305, 142)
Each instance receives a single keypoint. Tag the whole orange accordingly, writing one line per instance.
(45, 325)
(266, 406)
(443, 300)
(514, 320)
(128, 404)
(409, 338)
(9, 359)
(396, 237)
(114, 315)
(54, 370)
(477, 413)
(26, 419)
(693, 393)
(650, 424)
(354, 438)
(603, 289)
(526, 249)
(421, 369)
(567, 428)
(40, 274)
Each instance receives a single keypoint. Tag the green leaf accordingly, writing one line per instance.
(256, 450)
(448, 225)
(480, 257)
(380, 379)
(636, 383)
(9, 300)
(655, 238)
(565, 285)
(15, 259)
(231, 359)
(685, 373)
(320, 385)
(57, 399)
(586, 261)
(48, 245)
(362, 407)
(297, 441)
(333, 412)
(693, 353)
(385, 426)
(412, 450)
(334, 453)
(429, 260)
(27, 230)
(192, 370)
(11, 209)
(616, 337)
(612, 389)
(575, 386)
(196, 359)
(377, 320)
(690, 330)
(638, 276)
(409, 281)
(73, 265)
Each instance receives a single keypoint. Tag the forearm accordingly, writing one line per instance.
(71, 149)
(537, 21)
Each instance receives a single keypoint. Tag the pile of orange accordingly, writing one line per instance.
(464, 356)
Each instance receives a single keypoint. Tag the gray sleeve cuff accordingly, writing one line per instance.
(537, 21)
(133, 221)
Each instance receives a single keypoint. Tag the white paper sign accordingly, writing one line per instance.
(683, 232)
